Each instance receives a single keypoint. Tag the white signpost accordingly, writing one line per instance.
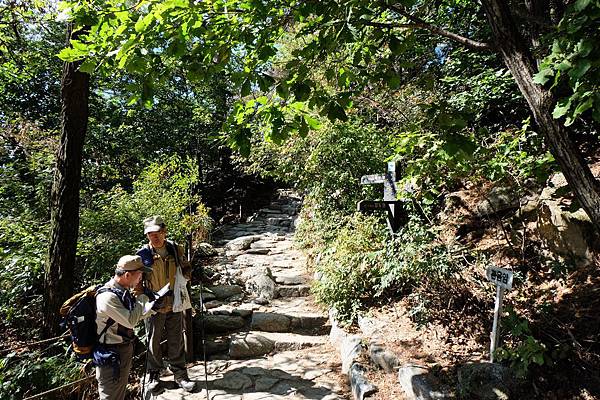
(503, 279)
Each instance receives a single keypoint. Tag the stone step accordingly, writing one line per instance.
(282, 322)
(294, 341)
(280, 221)
(255, 343)
(292, 290)
(225, 319)
(290, 278)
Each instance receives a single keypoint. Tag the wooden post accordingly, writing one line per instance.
(188, 330)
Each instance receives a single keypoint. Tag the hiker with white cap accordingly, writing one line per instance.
(117, 312)
(168, 263)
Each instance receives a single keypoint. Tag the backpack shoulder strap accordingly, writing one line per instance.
(116, 291)
(172, 249)
(109, 321)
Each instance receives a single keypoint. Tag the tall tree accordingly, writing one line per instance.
(510, 42)
(64, 202)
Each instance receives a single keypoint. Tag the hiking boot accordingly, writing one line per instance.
(186, 385)
(152, 382)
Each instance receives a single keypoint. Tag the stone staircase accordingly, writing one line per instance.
(265, 337)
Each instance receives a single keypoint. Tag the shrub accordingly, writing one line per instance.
(34, 372)
(415, 255)
(114, 226)
(24, 244)
(360, 262)
(350, 267)
(521, 348)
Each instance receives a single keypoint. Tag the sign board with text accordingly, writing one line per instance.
(370, 205)
(396, 216)
(503, 279)
(500, 276)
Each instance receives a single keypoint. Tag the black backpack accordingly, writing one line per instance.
(79, 316)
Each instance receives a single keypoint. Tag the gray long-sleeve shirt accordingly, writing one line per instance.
(108, 305)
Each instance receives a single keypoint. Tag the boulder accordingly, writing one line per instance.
(361, 388)
(219, 323)
(262, 285)
(211, 347)
(265, 383)
(498, 199)
(222, 292)
(205, 250)
(242, 242)
(382, 357)
(250, 345)
(486, 381)
(564, 231)
(350, 351)
(419, 384)
(270, 322)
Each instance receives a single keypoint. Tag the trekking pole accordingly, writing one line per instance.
(147, 332)
(145, 364)
(202, 338)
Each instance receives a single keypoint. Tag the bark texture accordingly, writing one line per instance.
(517, 57)
(64, 201)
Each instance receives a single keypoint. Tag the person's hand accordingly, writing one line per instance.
(158, 303)
(150, 293)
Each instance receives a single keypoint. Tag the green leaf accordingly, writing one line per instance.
(266, 52)
(583, 106)
(143, 23)
(580, 68)
(393, 81)
(335, 111)
(301, 91)
(395, 45)
(451, 121)
(265, 82)
(70, 54)
(543, 76)
(79, 45)
(87, 66)
(240, 141)
(279, 131)
(303, 129)
(245, 90)
(561, 108)
(132, 100)
(564, 65)
(283, 90)
(584, 47)
(147, 93)
(581, 5)
(538, 359)
(313, 123)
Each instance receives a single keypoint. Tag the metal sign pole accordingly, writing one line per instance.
(503, 279)
(495, 336)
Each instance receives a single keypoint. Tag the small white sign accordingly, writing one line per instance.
(500, 276)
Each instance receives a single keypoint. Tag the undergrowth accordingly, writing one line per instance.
(360, 262)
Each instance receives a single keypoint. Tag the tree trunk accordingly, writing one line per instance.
(64, 200)
(519, 61)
